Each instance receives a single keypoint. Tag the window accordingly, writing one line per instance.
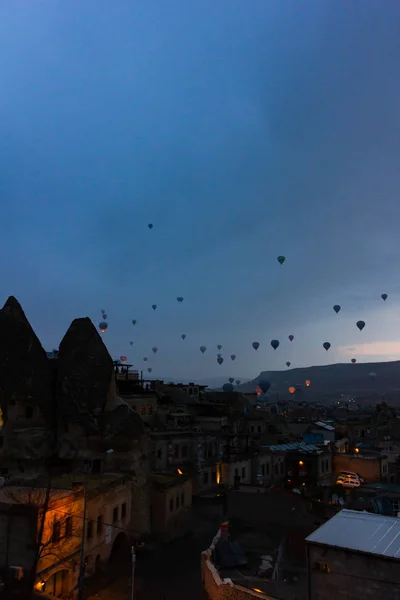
(267, 468)
(327, 464)
(176, 451)
(159, 453)
(243, 472)
(29, 412)
(182, 499)
(184, 451)
(282, 468)
(322, 466)
(259, 429)
(205, 477)
(150, 409)
(142, 410)
(395, 507)
(214, 476)
(276, 468)
(262, 469)
(236, 472)
(56, 533)
(68, 527)
(89, 530)
(123, 510)
(171, 505)
(115, 514)
(99, 524)
(177, 502)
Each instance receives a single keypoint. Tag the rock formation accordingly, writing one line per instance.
(85, 374)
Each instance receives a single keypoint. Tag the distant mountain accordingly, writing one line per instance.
(329, 381)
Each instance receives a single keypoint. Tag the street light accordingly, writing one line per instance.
(133, 571)
(82, 558)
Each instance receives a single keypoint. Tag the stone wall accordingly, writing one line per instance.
(352, 576)
(222, 589)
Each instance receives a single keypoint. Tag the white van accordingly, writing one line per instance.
(348, 479)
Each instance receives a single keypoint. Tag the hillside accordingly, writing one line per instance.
(329, 381)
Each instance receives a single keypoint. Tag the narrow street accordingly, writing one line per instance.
(171, 573)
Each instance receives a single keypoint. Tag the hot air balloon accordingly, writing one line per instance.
(104, 316)
(103, 310)
(237, 381)
(292, 390)
(360, 325)
(255, 345)
(219, 355)
(291, 338)
(154, 348)
(103, 326)
(219, 347)
(183, 336)
(134, 321)
(353, 360)
(145, 358)
(220, 360)
(150, 225)
(264, 383)
(154, 306)
(281, 259)
(180, 299)
(203, 349)
(227, 387)
(308, 383)
(131, 343)
(231, 379)
(149, 369)
(275, 344)
(326, 345)
(288, 363)
(383, 296)
(233, 356)
(123, 359)
(337, 308)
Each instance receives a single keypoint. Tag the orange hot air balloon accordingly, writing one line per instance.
(308, 382)
(292, 390)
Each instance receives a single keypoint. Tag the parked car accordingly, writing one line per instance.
(349, 480)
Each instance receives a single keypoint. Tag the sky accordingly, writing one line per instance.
(241, 131)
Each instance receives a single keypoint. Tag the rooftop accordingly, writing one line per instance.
(295, 447)
(326, 426)
(361, 532)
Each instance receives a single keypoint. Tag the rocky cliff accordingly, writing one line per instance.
(24, 368)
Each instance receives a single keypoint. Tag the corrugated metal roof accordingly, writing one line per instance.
(361, 531)
(325, 426)
(296, 447)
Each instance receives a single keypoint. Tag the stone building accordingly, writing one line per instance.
(108, 526)
(354, 556)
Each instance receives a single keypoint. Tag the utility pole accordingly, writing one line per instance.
(133, 572)
(82, 558)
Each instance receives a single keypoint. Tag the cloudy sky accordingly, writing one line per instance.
(242, 131)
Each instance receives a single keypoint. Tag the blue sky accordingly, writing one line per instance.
(242, 131)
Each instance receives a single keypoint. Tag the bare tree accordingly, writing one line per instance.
(59, 524)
